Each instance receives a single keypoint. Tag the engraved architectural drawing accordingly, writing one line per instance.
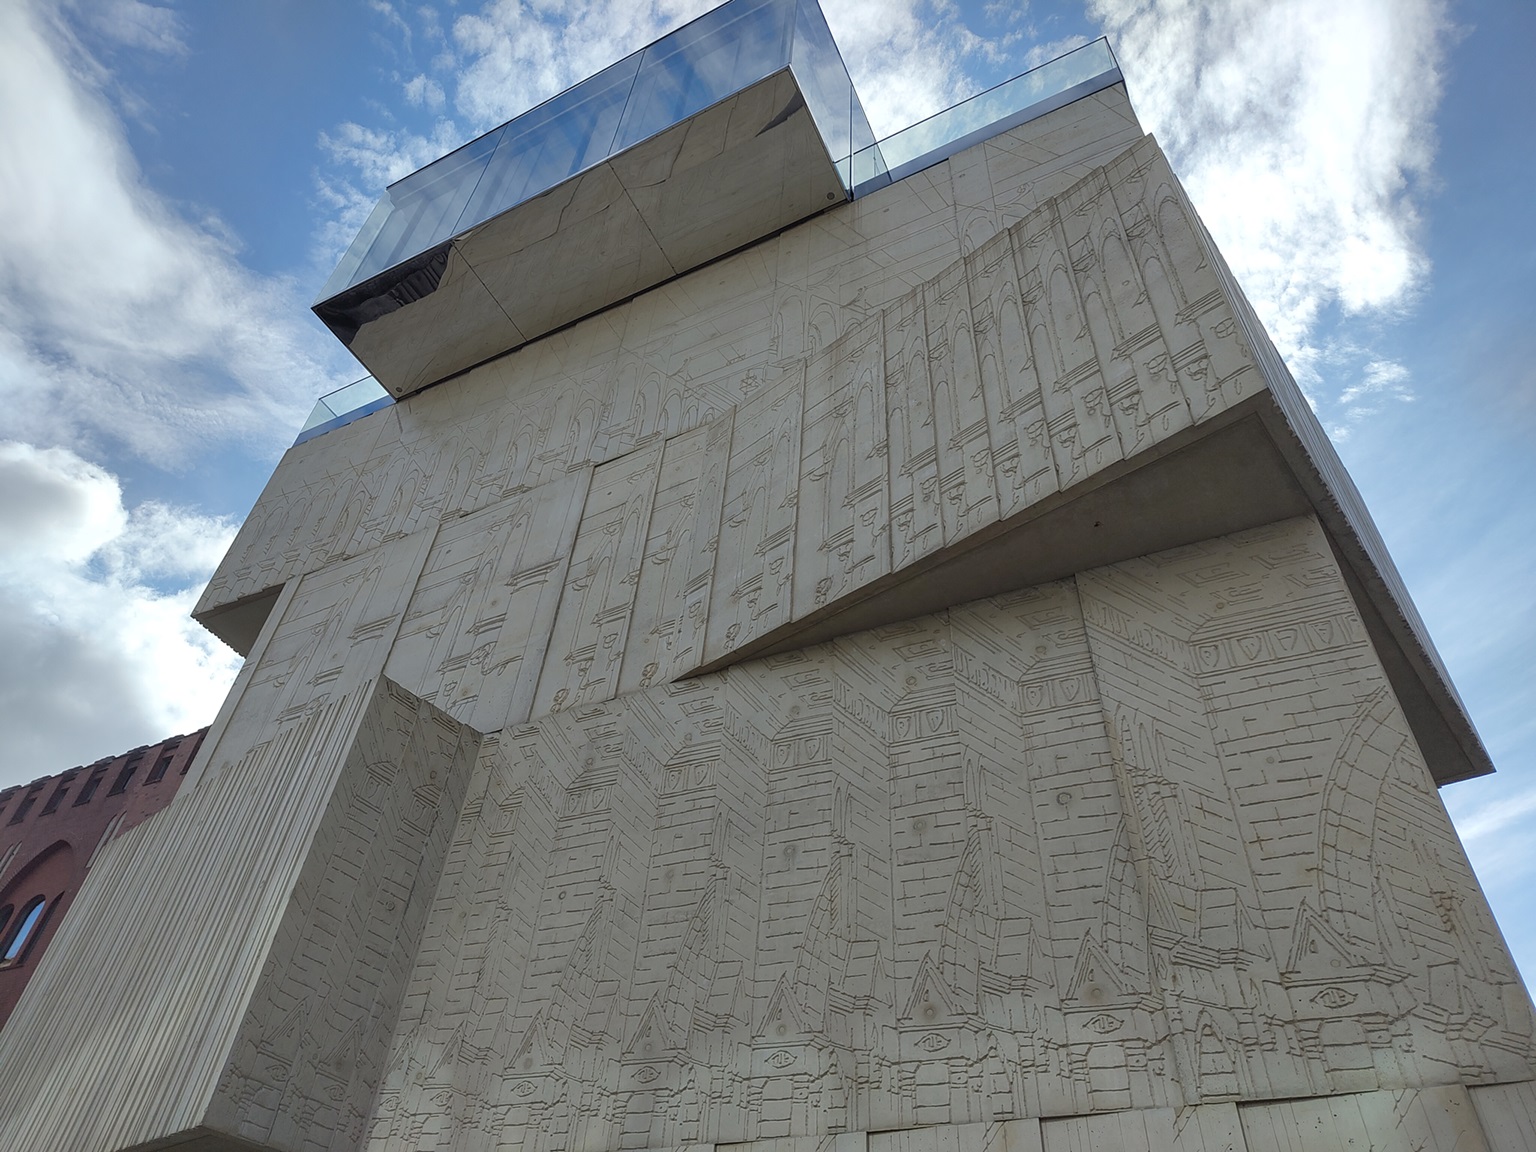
(920, 681)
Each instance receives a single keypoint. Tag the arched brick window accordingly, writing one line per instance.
(21, 935)
(36, 893)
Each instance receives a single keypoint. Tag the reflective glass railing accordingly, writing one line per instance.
(1013, 102)
(348, 403)
(829, 93)
(713, 57)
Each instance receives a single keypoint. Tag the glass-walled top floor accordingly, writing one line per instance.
(666, 83)
(697, 66)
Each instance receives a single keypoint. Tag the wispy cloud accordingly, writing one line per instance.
(908, 59)
(1489, 822)
(423, 91)
(135, 24)
(1495, 819)
(1304, 132)
(1039, 54)
(121, 321)
(392, 18)
(1380, 382)
(513, 54)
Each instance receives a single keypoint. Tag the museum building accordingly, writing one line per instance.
(803, 642)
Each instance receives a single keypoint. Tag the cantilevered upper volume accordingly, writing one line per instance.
(721, 133)
(729, 128)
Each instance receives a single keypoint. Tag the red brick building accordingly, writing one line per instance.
(50, 831)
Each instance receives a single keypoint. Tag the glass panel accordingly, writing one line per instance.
(346, 272)
(869, 171)
(356, 400)
(425, 206)
(720, 53)
(931, 139)
(863, 136)
(353, 396)
(318, 415)
(558, 139)
(824, 81)
(702, 63)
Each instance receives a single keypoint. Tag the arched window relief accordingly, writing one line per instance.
(5, 917)
(31, 916)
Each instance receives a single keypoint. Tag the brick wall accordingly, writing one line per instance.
(50, 830)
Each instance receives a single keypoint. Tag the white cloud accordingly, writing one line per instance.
(1044, 53)
(1380, 380)
(382, 156)
(121, 322)
(422, 91)
(363, 162)
(907, 58)
(1303, 131)
(392, 20)
(97, 651)
(136, 24)
(1484, 825)
(514, 54)
(1493, 818)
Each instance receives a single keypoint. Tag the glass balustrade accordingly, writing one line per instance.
(348, 403)
(1007, 105)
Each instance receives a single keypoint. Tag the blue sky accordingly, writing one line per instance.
(177, 180)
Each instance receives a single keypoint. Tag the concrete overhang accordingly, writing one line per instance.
(728, 130)
(657, 205)
(1244, 469)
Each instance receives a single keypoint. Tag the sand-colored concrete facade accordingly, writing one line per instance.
(916, 683)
